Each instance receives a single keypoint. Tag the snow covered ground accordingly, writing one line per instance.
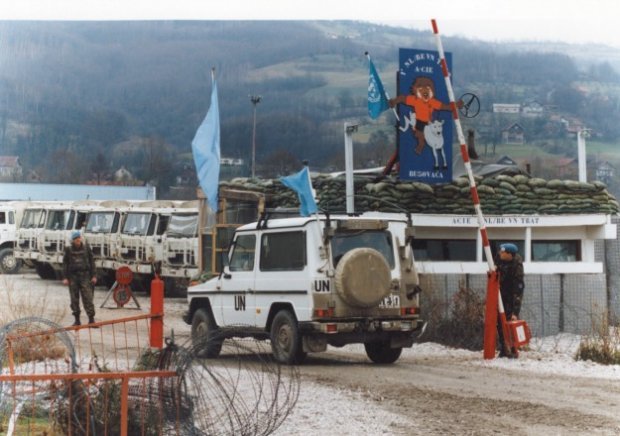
(322, 409)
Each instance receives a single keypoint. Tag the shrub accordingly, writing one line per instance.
(602, 346)
(458, 322)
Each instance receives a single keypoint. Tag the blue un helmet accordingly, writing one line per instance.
(509, 248)
(76, 234)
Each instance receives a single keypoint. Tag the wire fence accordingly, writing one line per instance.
(457, 319)
(108, 381)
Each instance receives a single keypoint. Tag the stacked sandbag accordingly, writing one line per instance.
(499, 195)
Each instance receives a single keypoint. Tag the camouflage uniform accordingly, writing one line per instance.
(79, 269)
(511, 287)
(511, 284)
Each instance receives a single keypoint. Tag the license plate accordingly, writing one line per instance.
(390, 302)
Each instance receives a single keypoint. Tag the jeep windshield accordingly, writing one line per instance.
(182, 226)
(100, 222)
(380, 240)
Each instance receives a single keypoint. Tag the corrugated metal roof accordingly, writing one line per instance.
(48, 191)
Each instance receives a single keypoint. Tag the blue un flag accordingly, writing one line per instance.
(206, 151)
(377, 102)
(300, 183)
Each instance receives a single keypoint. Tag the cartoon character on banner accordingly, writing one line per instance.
(423, 104)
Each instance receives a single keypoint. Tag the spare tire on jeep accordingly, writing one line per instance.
(363, 277)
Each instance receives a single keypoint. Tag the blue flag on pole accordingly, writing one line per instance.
(301, 184)
(206, 150)
(377, 102)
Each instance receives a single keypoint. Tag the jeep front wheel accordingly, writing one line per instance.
(381, 352)
(286, 344)
(205, 337)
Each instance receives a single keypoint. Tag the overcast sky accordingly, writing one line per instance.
(583, 21)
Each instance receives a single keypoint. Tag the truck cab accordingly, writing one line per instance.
(8, 228)
(61, 221)
(306, 283)
(180, 245)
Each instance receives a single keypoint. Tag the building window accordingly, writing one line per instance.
(283, 251)
(556, 251)
(462, 250)
(242, 258)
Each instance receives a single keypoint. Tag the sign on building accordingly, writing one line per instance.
(425, 131)
(506, 108)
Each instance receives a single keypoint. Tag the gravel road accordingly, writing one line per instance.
(342, 393)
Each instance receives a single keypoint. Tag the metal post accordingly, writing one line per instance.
(348, 162)
(157, 312)
(581, 154)
(255, 99)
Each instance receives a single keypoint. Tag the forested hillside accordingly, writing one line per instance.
(98, 95)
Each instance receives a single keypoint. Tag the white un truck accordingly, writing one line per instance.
(305, 283)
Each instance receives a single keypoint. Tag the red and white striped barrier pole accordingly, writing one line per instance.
(493, 279)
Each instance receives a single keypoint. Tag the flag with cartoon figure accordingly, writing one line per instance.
(425, 131)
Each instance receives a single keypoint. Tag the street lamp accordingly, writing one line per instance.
(255, 99)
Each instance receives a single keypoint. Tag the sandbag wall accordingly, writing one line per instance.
(499, 195)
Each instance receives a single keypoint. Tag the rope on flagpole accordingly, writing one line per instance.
(464, 152)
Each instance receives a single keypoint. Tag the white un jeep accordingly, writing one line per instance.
(305, 283)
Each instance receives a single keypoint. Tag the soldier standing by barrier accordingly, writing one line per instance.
(510, 267)
(79, 272)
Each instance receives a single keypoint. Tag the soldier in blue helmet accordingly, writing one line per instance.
(510, 268)
(79, 273)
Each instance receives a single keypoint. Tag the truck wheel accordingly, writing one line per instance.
(8, 263)
(205, 337)
(45, 271)
(286, 344)
(381, 352)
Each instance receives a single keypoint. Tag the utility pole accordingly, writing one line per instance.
(255, 99)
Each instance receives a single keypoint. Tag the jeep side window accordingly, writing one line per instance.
(242, 258)
(2, 218)
(381, 241)
(283, 251)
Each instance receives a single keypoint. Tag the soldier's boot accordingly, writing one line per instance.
(77, 320)
(91, 320)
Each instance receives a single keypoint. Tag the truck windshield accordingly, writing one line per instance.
(58, 219)
(100, 222)
(182, 226)
(33, 218)
(136, 224)
(379, 240)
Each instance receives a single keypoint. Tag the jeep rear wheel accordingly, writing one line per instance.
(8, 263)
(286, 344)
(381, 352)
(205, 334)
